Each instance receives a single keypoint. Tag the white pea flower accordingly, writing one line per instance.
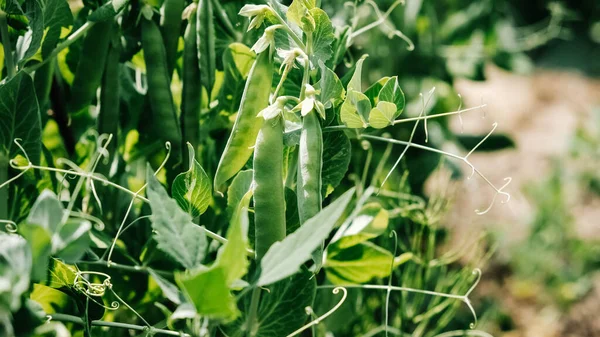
(311, 102)
(274, 109)
(256, 12)
(265, 40)
(290, 56)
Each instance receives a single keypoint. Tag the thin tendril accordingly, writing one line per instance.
(462, 126)
(389, 291)
(382, 21)
(318, 320)
(112, 247)
(10, 226)
(412, 134)
(98, 224)
(463, 298)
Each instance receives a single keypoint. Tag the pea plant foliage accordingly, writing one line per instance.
(215, 168)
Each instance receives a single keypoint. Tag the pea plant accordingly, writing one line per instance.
(186, 169)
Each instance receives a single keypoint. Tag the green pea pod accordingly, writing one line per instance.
(159, 85)
(88, 75)
(243, 136)
(310, 164)
(108, 118)
(205, 33)
(170, 23)
(269, 194)
(192, 89)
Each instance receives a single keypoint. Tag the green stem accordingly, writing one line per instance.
(78, 320)
(63, 45)
(252, 314)
(123, 267)
(288, 29)
(222, 16)
(3, 191)
(8, 57)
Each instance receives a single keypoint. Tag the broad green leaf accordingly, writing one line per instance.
(332, 90)
(322, 37)
(336, 160)
(48, 21)
(20, 117)
(211, 296)
(107, 11)
(392, 93)
(175, 232)
(72, 240)
(169, 289)
(355, 110)
(284, 258)
(240, 185)
(373, 91)
(15, 268)
(47, 212)
(282, 307)
(61, 275)
(382, 115)
(52, 300)
(237, 62)
(205, 31)
(298, 11)
(192, 189)
(356, 80)
(371, 221)
(358, 263)
(210, 288)
(40, 242)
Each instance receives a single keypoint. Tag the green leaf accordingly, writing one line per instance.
(210, 288)
(355, 110)
(382, 115)
(284, 258)
(237, 62)
(15, 268)
(20, 117)
(57, 16)
(356, 80)
(169, 289)
(332, 90)
(52, 300)
(205, 31)
(358, 263)
(336, 160)
(72, 240)
(175, 232)
(40, 242)
(211, 296)
(373, 91)
(239, 187)
(61, 275)
(322, 37)
(47, 212)
(371, 221)
(494, 142)
(107, 11)
(192, 189)
(298, 11)
(282, 308)
(392, 93)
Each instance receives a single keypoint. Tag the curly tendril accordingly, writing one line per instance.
(309, 311)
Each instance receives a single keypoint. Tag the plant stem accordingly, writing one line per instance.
(78, 320)
(135, 269)
(287, 28)
(63, 45)
(222, 16)
(8, 57)
(252, 314)
(3, 191)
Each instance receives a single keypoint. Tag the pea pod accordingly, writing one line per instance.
(42, 81)
(269, 194)
(192, 89)
(205, 31)
(159, 90)
(246, 127)
(310, 164)
(88, 74)
(170, 22)
(108, 118)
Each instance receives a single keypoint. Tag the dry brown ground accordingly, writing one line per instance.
(541, 113)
